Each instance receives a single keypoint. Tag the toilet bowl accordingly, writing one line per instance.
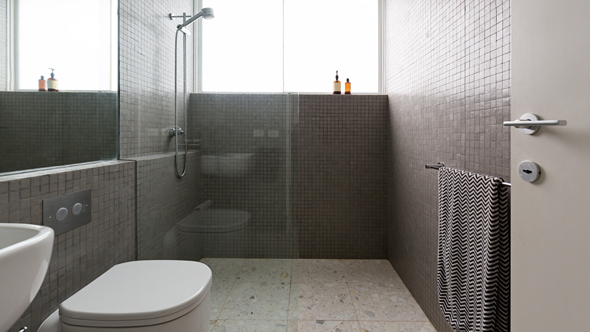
(217, 232)
(139, 296)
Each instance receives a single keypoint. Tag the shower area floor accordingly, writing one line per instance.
(259, 295)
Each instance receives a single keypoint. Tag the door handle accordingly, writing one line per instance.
(529, 123)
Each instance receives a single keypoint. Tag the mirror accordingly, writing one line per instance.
(72, 117)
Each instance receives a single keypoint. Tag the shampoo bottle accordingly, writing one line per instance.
(337, 86)
(42, 84)
(52, 82)
(347, 87)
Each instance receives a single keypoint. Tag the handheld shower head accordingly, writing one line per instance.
(206, 13)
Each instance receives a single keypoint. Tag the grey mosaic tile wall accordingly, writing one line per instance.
(261, 129)
(146, 71)
(40, 129)
(342, 176)
(447, 72)
(80, 255)
(3, 45)
(162, 201)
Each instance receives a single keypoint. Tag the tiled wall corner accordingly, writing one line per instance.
(342, 176)
(81, 255)
(447, 74)
(146, 74)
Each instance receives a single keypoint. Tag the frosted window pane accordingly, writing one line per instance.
(73, 37)
(243, 46)
(322, 36)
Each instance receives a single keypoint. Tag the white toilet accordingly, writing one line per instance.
(138, 296)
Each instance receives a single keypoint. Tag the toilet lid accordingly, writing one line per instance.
(139, 293)
(214, 221)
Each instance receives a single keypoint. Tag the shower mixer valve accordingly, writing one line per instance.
(175, 131)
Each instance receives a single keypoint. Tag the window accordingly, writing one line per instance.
(76, 38)
(290, 45)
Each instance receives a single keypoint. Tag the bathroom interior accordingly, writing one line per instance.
(314, 211)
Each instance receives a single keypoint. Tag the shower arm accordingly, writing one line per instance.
(206, 13)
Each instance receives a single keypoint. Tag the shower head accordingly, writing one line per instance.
(206, 13)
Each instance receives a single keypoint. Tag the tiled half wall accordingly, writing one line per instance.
(81, 255)
(318, 181)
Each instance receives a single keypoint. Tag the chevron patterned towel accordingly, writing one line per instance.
(473, 251)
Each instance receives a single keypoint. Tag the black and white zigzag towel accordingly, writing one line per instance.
(473, 251)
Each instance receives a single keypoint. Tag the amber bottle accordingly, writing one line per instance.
(42, 84)
(347, 87)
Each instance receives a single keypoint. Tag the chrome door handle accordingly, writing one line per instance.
(529, 123)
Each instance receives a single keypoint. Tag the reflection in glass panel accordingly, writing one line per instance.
(248, 166)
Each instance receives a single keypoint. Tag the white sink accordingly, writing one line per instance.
(25, 251)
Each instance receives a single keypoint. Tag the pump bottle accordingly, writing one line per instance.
(337, 86)
(52, 82)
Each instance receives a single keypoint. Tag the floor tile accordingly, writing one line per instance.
(320, 270)
(370, 271)
(385, 302)
(220, 292)
(257, 301)
(396, 327)
(225, 273)
(292, 325)
(266, 270)
(325, 301)
(249, 326)
(325, 326)
(416, 327)
(224, 269)
(293, 302)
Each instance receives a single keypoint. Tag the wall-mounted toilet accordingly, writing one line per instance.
(146, 296)
(215, 232)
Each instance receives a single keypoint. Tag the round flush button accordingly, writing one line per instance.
(61, 214)
(77, 209)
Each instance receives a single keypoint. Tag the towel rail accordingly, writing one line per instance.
(438, 165)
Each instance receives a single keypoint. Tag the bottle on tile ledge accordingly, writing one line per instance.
(337, 86)
(347, 87)
(42, 84)
(52, 82)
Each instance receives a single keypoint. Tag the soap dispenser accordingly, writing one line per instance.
(337, 86)
(52, 82)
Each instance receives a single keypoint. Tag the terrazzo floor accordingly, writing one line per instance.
(287, 295)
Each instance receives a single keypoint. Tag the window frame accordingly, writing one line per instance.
(13, 48)
(198, 54)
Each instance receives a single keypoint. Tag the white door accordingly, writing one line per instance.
(551, 217)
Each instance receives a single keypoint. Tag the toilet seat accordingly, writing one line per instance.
(139, 293)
